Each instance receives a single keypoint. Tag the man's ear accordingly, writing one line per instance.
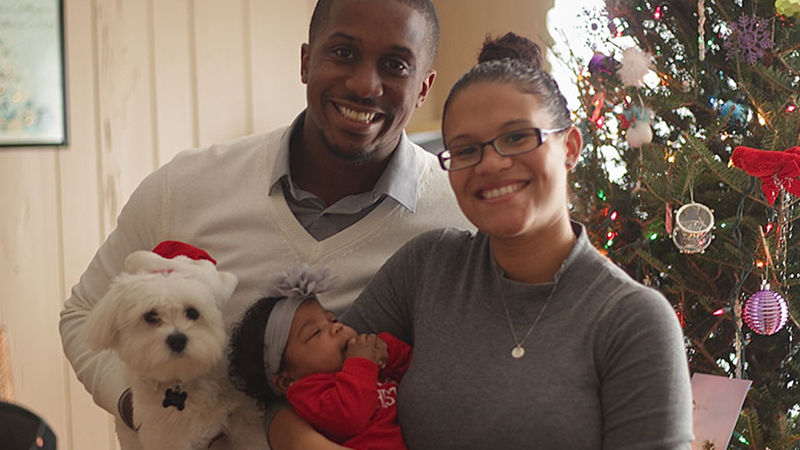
(427, 83)
(573, 141)
(304, 63)
(282, 381)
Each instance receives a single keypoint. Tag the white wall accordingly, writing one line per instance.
(145, 79)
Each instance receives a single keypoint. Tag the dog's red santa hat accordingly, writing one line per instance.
(171, 249)
(182, 259)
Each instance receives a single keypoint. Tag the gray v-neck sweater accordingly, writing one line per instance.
(604, 368)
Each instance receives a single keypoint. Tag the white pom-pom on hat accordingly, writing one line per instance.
(635, 65)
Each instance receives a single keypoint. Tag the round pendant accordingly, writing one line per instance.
(518, 352)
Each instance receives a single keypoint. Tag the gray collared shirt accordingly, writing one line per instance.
(398, 183)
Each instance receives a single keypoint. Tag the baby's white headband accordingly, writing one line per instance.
(294, 286)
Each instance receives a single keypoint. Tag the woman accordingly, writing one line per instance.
(524, 335)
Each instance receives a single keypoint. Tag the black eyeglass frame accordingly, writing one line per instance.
(541, 133)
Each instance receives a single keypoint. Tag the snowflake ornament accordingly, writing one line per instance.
(635, 65)
(748, 40)
(788, 8)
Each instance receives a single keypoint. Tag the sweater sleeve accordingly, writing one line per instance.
(399, 357)
(138, 227)
(339, 404)
(645, 388)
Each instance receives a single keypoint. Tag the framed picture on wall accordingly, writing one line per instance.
(32, 84)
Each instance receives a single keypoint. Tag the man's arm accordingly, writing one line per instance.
(102, 373)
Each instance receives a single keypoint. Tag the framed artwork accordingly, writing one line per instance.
(32, 84)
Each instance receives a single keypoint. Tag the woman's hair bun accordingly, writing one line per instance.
(511, 46)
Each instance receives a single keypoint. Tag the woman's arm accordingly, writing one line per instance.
(288, 431)
(645, 388)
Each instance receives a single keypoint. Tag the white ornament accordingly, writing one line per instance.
(639, 133)
(694, 224)
(635, 65)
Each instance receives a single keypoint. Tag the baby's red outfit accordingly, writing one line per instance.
(357, 406)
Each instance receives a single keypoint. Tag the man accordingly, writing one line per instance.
(342, 187)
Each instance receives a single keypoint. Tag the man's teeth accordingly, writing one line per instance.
(505, 190)
(356, 116)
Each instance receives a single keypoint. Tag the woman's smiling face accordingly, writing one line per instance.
(512, 196)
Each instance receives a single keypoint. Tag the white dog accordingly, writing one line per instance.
(162, 317)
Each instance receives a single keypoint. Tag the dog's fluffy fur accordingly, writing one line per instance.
(162, 317)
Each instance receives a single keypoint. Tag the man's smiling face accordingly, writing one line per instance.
(366, 70)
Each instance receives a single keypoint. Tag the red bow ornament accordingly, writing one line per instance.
(777, 169)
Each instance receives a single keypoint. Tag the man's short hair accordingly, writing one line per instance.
(322, 10)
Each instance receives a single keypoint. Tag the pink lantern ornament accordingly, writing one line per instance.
(765, 311)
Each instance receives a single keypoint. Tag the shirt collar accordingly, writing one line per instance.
(399, 180)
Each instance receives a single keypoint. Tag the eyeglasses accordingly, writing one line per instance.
(507, 144)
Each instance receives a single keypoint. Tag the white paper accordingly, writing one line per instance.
(717, 402)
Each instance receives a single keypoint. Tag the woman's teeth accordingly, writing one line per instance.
(356, 116)
(505, 190)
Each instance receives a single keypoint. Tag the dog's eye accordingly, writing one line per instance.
(151, 317)
(192, 314)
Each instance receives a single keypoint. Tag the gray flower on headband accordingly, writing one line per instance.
(299, 282)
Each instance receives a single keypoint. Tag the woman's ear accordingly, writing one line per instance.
(573, 141)
(282, 381)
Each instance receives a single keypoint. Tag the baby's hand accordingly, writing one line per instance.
(368, 346)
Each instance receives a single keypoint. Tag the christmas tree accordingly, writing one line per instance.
(697, 102)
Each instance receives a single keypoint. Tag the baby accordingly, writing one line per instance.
(342, 383)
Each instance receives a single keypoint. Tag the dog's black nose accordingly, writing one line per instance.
(177, 342)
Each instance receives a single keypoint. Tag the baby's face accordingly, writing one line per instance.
(317, 341)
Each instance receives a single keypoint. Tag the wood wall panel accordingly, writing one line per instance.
(173, 70)
(126, 123)
(221, 71)
(30, 281)
(89, 427)
(278, 94)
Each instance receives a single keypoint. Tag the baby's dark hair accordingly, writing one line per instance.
(246, 354)
(515, 60)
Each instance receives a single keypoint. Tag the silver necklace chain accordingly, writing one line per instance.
(519, 351)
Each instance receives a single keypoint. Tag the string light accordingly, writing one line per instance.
(654, 236)
(719, 312)
(600, 121)
(791, 108)
(657, 14)
(613, 215)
